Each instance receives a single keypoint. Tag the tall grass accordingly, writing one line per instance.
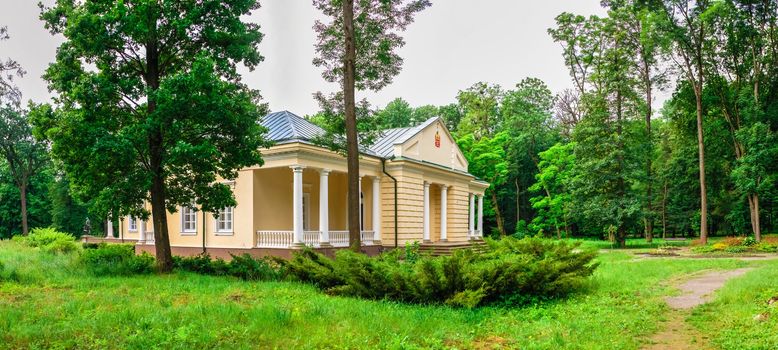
(56, 305)
(730, 319)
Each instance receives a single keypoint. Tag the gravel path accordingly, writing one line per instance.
(678, 334)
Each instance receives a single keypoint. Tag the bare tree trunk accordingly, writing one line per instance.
(518, 201)
(158, 193)
(753, 208)
(498, 216)
(664, 211)
(701, 152)
(23, 196)
(649, 180)
(352, 143)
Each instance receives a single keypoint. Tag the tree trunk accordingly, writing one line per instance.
(753, 208)
(498, 216)
(23, 196)
(664, 211)
(703, 187)
(518, 201)
(352, 143)
(156, 162)
(649, 180)
(758, 226)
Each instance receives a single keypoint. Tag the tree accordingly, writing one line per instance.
(396, 114)
(688, 28)
(487, 159)
(756, 171)
(481, 110)
(371, 29)
(554, 200)
(150, 107)
(24, 154)
(9, 69)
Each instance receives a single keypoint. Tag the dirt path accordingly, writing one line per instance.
(678, 334)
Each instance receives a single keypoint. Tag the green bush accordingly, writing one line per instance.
(749, 241)
(511, 272)
(736, 249)
(766, 248)
(243, 266)
(117, 260)
(49, 240)
(248, 268)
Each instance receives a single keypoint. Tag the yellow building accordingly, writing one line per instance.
(414, 187)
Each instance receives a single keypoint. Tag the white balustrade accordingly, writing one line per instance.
(285, 239)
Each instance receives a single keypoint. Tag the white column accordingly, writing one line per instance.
(109, 229)
(141, 231)
(324, 207)
(297, 205)
(481, 215)
(426, 211)
(471, 218)
(376, 209)
(443, 209)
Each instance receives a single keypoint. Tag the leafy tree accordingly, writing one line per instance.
(554, 200)
(24, 155)
(480, 110)
(9, 69)
(487, 159)
(38, 201)
(396, 114)
(688, 28)
(452, 115)
(756, 171)
(68, 214)
(357, 49)
(150, 106)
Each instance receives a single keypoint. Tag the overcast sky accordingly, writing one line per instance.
(452, 45)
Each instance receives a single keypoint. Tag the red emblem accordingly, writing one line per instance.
(437, 139)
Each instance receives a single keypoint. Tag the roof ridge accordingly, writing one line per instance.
(288, 115)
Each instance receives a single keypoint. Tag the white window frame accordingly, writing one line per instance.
(132, 224)
(217, 219)
(184, 230)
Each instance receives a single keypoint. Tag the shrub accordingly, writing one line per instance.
(248, 268)
(511, 272)
(736, 249)
(703, 249)
(766, 247)
(731, 241)
(49, 240)
(719, 246)
(117, 260)
(749, 241)
(243, 266)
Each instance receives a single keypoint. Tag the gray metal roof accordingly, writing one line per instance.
(384, 145)
(285, 126)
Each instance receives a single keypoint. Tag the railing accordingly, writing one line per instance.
(339, 238)
(285, 239)
(274, 239)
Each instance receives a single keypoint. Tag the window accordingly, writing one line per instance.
(224, 220)
(188, 220)
(133, 224)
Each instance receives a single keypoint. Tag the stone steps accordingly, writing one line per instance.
(447, 248)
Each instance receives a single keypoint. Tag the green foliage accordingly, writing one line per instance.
(243, 266)
(553, 196)
(117, 260)
(248, 268)
(193, 311)
(161, 111)
(487, 159)
(513, 272)
(50, 240)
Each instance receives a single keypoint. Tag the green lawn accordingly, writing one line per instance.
(52, 303)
